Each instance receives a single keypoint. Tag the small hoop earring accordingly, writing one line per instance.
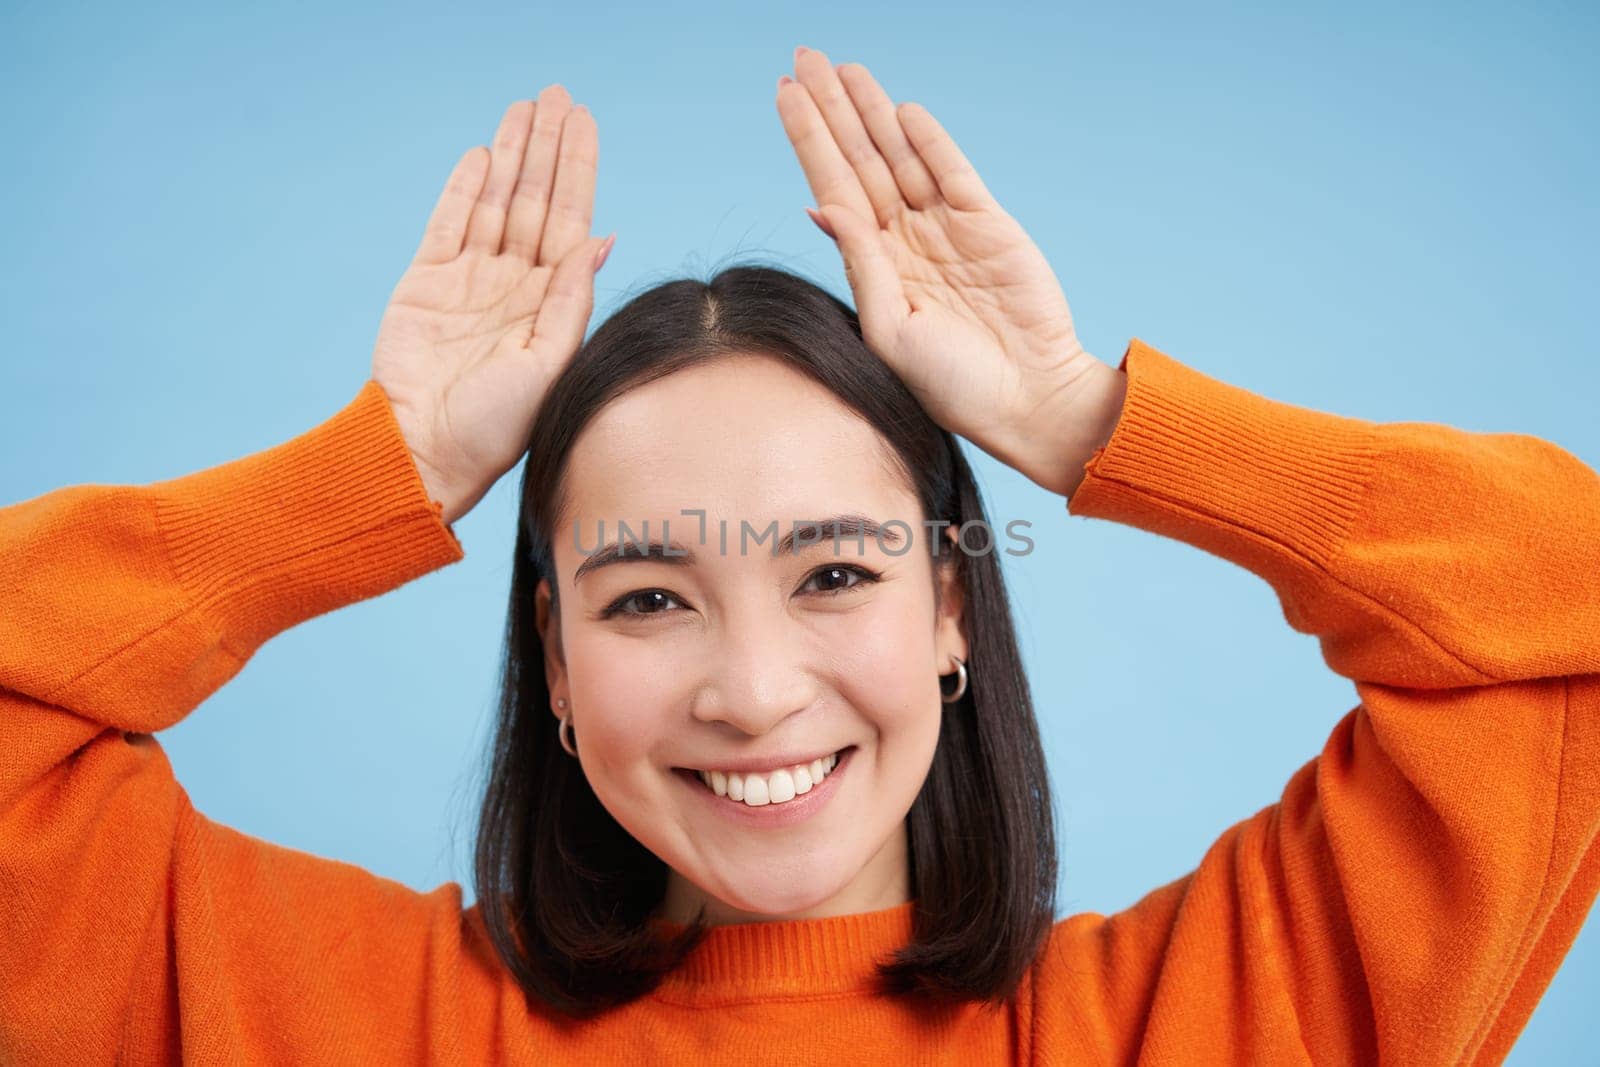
(564, 731)
(961, 683)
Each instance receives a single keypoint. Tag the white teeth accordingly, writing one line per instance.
(778, 787)
(755, 791)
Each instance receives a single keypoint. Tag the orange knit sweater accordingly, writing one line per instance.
(1405, 902)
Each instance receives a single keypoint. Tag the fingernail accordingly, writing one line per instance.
(799, 51)
(605, 251)
(822, 222)
(785, 80)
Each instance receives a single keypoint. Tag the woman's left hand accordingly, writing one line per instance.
(951, 293)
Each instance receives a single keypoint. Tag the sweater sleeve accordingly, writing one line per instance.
(131, 926)
(1412, 892)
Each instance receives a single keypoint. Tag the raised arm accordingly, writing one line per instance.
(124, 607)
(131, 926)
(1411, 894)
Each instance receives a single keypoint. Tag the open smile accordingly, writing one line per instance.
(775, 798)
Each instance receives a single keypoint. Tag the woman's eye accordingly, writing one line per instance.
(644, 602)
(837, 579)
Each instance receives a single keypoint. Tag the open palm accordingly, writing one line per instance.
(950, 290)
(496, 299)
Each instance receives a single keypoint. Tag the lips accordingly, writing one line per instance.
(770, 811)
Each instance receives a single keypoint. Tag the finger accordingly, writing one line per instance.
(880, 298)
(572, 199)
(564, 313)
(510, 143)
(830, 176)
(849, 135)
(911, 175)
(530, 200)
(441, 238)
(958, 179)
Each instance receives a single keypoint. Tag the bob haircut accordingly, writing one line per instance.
(567, 894)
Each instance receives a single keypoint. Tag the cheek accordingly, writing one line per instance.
(886, 667)
(624, 712)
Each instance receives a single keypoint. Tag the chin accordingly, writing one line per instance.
(780, 896)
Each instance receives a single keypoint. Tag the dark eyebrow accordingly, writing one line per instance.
(818, 534)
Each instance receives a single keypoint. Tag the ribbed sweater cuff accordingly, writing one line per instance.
(335, 515)
(1188, 446)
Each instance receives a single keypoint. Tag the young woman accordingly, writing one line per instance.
(767, 784)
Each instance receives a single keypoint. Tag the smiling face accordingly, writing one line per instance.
(727, 659)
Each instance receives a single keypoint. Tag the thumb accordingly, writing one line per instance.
(880, 298)
(564, 311)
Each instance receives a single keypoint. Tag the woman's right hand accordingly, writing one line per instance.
(496, 300)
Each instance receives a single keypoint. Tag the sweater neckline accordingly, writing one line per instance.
(788, 957)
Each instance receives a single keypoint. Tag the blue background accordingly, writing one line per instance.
(1371, 211)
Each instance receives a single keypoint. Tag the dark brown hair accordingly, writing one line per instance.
(566, 893)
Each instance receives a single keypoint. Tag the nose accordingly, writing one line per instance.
(759, 675)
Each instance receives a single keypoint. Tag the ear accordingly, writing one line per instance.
(548, 622)
(949, 635)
